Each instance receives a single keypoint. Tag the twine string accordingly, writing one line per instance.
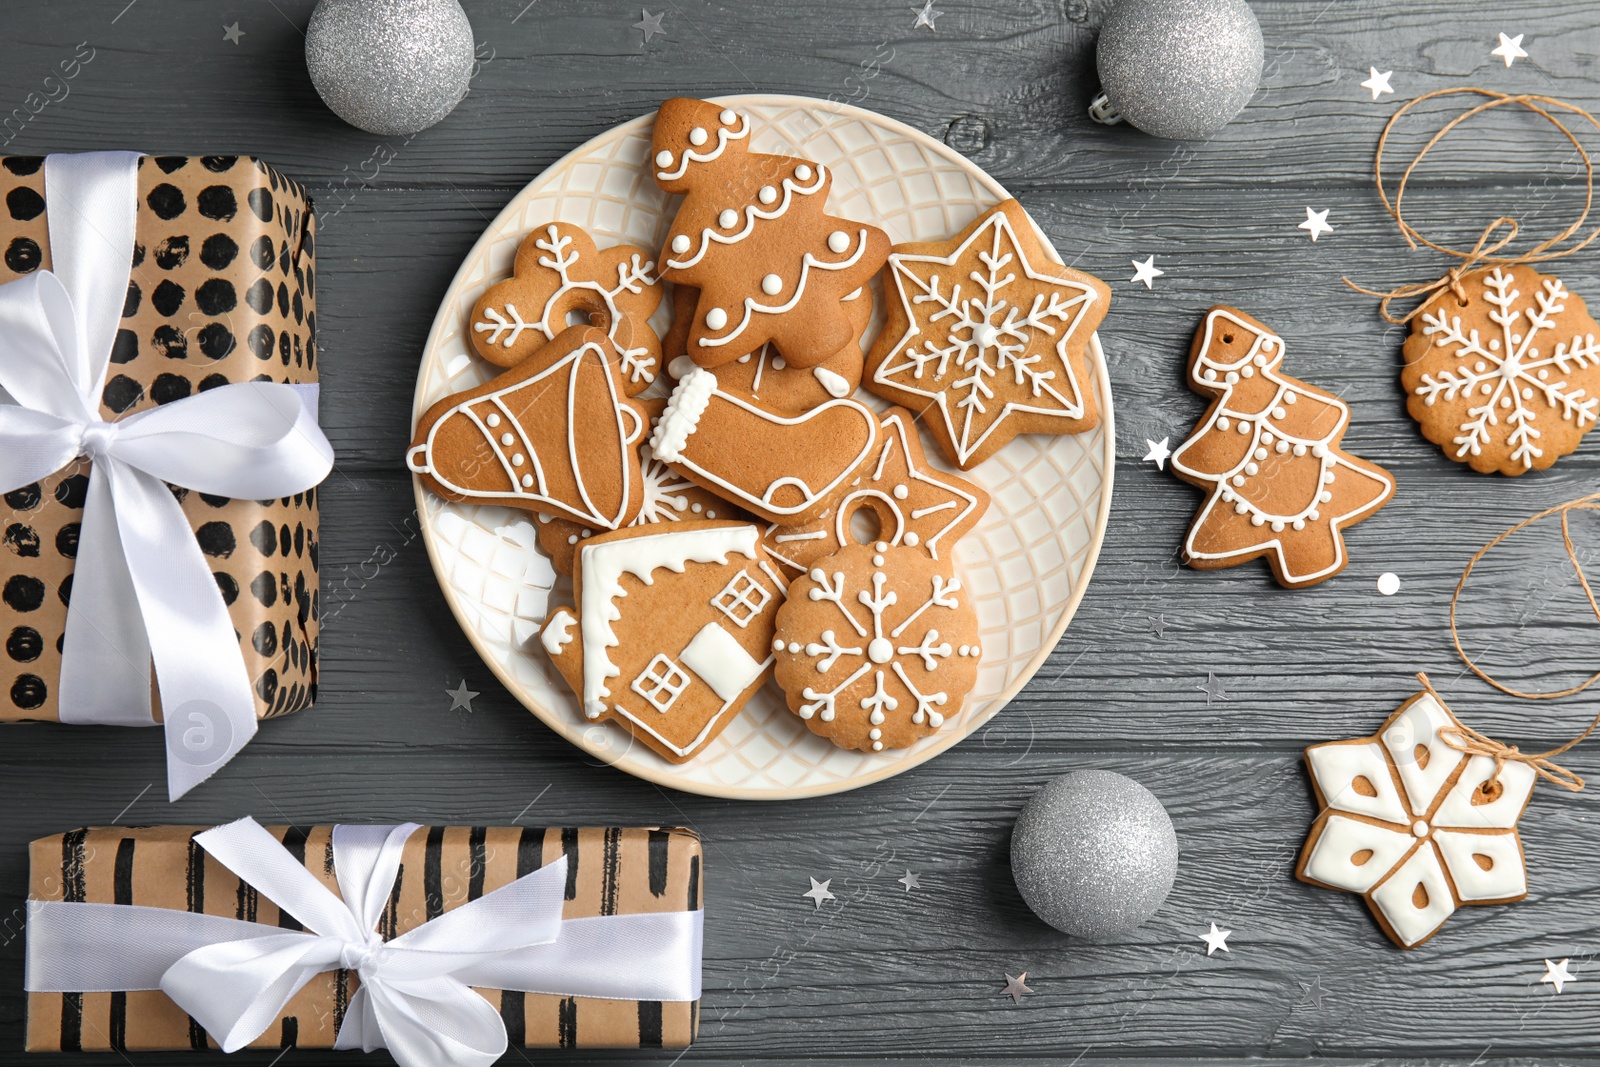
(1483, 254)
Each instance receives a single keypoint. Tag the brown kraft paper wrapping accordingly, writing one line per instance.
(222, 291)
(610, 871)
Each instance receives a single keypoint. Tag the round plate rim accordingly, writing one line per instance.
(935, 746)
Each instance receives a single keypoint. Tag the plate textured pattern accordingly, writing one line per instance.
(1025, 565)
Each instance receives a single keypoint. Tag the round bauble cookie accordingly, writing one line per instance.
(877, 646)
(1094, 854)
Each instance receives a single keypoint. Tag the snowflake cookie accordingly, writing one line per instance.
(877, 646)
(561, 279)
(1416, 827)
(672, 632)
(1508, 381)
(914, 503)
(987, 337)
(1268, 453)
(668, 497)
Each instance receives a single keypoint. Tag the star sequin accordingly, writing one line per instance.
(1213, 688)
(1217, 938)
(1378, 83)
(1556, 974)
(910, 882)
(650, 24)
(1016, 987)
(819, 891)
(1510, 49)
(461, 697)
(1312, 992)
(925, 16)
(1316, 223)
(232, 33)
(1157, 625)
(1146, 272)
(1158, 452)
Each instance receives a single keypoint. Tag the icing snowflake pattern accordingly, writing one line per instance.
(1527, 370)
(1415, 826)
(879, 652)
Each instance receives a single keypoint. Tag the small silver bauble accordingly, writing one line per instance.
(390, 67)
(1094, 854)
(1177, 68)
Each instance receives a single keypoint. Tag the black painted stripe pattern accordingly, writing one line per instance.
(73, 858)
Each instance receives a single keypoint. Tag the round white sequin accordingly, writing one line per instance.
(1388, 583)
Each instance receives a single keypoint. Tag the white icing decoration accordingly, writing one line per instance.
(1214, 358)
(628, 425)
(1054, 392)
(1418, 724)
(767, 194)
(1510, 370)
(838, 241)
(754, 307)
(557, 632)
(721, 662)
(663, 158)
(1331, 859)
(1393, 898)
(1506, 878)
(728, 116)
(689, 401)
(1335, 767)
(661, 683)
(835, 385)
(772, 285)
(680, 243)
(716, 319)
(803, 172)
(752, 213)
(505, 326)
(698, 136)
(728, 219)
(691, 156)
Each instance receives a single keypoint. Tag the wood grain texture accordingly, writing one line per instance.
(880, 974)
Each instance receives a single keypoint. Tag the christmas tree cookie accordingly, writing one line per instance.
(754, 237)
(987, 337)
(1267, 452)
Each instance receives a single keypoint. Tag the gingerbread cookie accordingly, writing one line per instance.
(987, 337)
(1414, 825)
(561, 279)
(764, 375)
(1267, 452)
(673, 630)
(877, 646)
(915, 504)
(668, 497)
(754, 238)
(1508, 380)
(785, 468)
(555, 435)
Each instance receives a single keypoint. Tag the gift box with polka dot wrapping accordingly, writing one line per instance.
(222, 290)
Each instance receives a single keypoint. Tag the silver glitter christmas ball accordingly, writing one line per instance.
(1177, 68)
(1093, 854)
(391, 67)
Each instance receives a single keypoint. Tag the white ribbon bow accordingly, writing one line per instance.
(416, 999)
(142, 589)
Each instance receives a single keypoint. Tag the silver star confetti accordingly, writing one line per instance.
(1146, 272)
(232, 33)
(1213, 688)
(1316, 223)
(460, 697)
(1016, 987)
(1158, 625)
(910, 882)
(1378, 83)
(1510, 49)
(819, 891)
(650, 24)
(1216, 939)
(1159, 452)
(1310, 992)
(927, 14)
(1555, 973)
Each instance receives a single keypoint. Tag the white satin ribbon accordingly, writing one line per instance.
(141, 589)
(415, 997)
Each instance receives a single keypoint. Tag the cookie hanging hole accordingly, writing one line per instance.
(1360, 858)
(865, 526)
(1488, 792)
(1419, 897)
(1363, 785)
(584, 317)
(1227, 338)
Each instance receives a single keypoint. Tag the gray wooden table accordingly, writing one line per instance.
(880, 974)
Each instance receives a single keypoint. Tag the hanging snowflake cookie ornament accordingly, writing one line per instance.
(1268, 452)
(1502, 366)
(877, 646)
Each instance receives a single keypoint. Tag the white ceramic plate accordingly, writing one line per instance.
(1026, 565)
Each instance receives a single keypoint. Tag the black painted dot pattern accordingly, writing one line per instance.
(222, 290)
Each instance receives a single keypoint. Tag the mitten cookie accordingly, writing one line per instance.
(987, 337)
(673, 630)
(668, 497)
(764, 375)
(784, 468)
(915, 504)
(877, 646)
(754, 237)
(556, 435)
(560, 277)
(1508, 381)
(1268, 453)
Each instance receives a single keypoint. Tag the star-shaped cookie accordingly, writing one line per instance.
(915, 504)
(987, 337)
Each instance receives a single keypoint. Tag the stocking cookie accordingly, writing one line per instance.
(673, 630)
(764, 375)
(785, 468)
(561, 276)
(555, 435)
(877, 646)
(987, 337)
(915, 504)
(754, 238)
(1508, 381)
(668, 497)
(1267, 452)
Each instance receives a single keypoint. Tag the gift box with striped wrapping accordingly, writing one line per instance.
(610, 871)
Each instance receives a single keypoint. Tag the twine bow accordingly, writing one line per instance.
(1482, 254)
